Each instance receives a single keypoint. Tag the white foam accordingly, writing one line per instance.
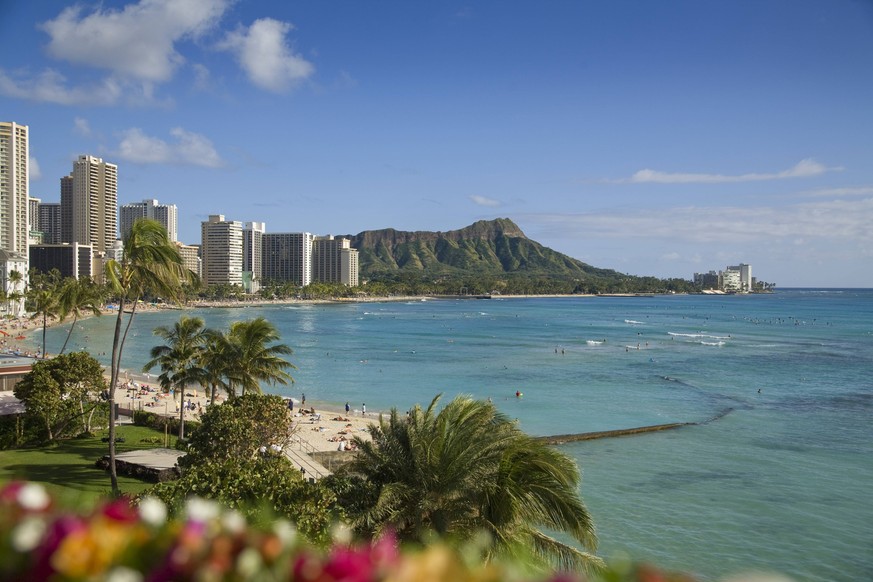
(718, 337)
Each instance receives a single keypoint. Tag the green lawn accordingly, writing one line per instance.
(67, 469)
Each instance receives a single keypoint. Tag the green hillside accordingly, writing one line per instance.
(487, 247)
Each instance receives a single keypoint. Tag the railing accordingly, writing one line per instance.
(314, 470)
(305, 445)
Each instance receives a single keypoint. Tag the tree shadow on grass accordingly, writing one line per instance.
(70, 465)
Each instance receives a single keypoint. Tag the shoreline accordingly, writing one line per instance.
(323, 430)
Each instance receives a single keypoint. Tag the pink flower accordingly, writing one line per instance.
(121, 510)
(57, 531)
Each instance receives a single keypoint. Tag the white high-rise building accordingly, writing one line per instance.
(253, 235)
(33, 214)
(743, 278)
(14, 187)
(165, 214)
(221, 251)
(190, 257)
(89, 204)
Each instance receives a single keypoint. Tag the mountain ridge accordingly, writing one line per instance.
(486, 247)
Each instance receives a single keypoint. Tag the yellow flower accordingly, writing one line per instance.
(436, 564)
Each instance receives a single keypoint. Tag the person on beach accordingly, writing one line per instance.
(347, 408)
(364, 409)
(302, 400)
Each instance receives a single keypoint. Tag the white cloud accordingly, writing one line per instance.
(51, 87)
(33, 168)
(841, 192)
(847, 221)
(136, 41)
(483, 201)
(803, 169)
(81, 126)
(265, 56)
(188, 149)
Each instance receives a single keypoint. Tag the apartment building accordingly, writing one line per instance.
(334, 261)
(72, 259)
(221, 251)
(14, 187)
(253, 235)
(165, 214)
(89, 204)
(287, 256)
(190, 257)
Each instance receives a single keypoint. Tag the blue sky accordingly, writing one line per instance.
(655, 138)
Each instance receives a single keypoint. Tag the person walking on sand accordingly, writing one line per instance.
(364, 409)
(303, 400)
(347, 408)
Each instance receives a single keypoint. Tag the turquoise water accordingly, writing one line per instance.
(779, 481)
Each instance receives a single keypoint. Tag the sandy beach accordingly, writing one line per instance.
(323, 429)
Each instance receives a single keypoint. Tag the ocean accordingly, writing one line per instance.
(775, 474)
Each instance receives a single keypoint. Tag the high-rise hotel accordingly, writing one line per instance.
(221, 251)
(14, 187)
(334, 261)
(89, 204)
(14, 191)
(253, 237)
(165, 214)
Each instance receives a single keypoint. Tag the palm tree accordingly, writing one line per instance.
(469, 469)
(77, 297)
(214, 359)
(42, 300)
(180, 359)
(251, 360)
(150, 264)
(15, 277)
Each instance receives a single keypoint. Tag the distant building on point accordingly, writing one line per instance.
(734, 279)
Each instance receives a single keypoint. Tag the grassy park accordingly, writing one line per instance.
(67, 469)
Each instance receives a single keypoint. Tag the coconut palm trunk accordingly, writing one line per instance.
(150, 264)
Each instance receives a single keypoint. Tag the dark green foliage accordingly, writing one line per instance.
(252, 486)
(484, 257)
(230, 460)
(237, 429)
(159, 422)
(464, 471)
(59, 394)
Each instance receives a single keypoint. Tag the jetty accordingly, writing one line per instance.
(560, 439)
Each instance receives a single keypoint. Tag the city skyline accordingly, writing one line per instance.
(651, 138)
